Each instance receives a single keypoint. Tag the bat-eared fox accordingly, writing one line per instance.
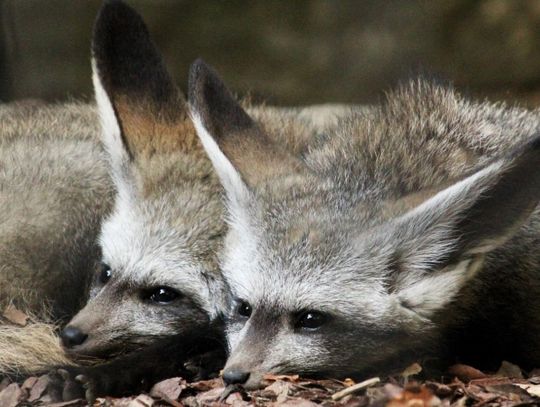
(409, 232)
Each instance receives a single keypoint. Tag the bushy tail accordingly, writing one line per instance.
(30, 350)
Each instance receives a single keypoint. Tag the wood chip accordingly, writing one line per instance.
(355, 388)
(412, 370)
(142, 400)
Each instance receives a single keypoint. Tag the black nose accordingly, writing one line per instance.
(235, 376)
(72, 336)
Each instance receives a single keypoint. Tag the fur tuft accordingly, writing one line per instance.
(30, 350)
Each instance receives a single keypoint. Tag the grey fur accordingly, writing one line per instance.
(55, 189)
(388, 228)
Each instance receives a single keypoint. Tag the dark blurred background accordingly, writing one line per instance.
(289, 52)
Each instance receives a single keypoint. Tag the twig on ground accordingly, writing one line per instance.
(355, 388)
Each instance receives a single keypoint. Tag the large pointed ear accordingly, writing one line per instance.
(241, 151)
(444, 240)
(141, 109)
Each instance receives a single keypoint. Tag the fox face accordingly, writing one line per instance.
(159, 275)
(340, 273)
(151, 283)
(330, 301)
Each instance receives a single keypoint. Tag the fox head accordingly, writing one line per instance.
(159, 276)
(333, 280)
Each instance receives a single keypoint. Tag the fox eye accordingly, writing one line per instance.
(161, 295)
(243, 309)
(311, 320)
(105, 273)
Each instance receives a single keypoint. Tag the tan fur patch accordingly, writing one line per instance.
(30, 349)
(148, 130)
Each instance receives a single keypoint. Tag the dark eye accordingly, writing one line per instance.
(243, 309)
(311, 320)
(161, 295)
(105, 273)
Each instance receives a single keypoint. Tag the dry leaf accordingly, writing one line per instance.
(71, 403)
(280, 389)
(169, 389)
(39, 388)
(508, 369)
(236, 400)
(466, 373)
(532, 389)
(423, 397)
(205, 385)
(209, 396)
(15, 316)
(271, 377)
(440, 389)
(5, 382)
(298, 403)
(10, 396)
(534, 379)
(392, 391)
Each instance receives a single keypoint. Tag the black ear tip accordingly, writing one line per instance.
(199, 74)
(114, 18)
(114, 9)
(198, 70)
(117, 6)
(120, 35)
(198, 64)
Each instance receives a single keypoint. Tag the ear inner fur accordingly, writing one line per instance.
(147, 133)
(147, 103)
(241, 140)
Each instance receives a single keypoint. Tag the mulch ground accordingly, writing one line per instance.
(466, 386)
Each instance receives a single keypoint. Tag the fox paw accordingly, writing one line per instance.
(65, 387)
(206, 365)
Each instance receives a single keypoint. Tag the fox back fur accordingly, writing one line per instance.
(54, 191)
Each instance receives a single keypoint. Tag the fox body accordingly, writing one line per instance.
(54, 190)
(409, 232)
